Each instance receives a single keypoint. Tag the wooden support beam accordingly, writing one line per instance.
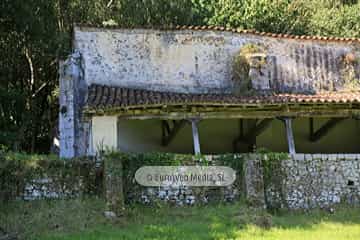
(235, 113)
(311, 125)
(241, 135)
(251, 140)
(165, 127)
(241, 127)
(290, 135)
(255, 131)
(325, 129)
(170, 133)
(195, 133)
(259, 128)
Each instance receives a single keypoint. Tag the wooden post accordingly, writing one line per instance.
(195, 134)
(290, 135)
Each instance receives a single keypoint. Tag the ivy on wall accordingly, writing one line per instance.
(130, 163)
(273, 177)
(18, 170)
(68, 177)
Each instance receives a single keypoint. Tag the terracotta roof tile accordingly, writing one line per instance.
(111, 97)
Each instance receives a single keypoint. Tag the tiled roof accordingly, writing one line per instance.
(236, 30)
(104, 97)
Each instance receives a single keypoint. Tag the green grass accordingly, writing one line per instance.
(83, 219)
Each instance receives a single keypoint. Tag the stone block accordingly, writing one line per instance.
(350, 156)
(299, 157)
(324, 157)
(308, 157)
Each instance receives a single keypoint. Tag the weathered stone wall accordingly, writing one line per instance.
(41, 178)
(69, 73)
(254, 181)
(303, 182)
(316, 180)
(52, 188)
(194, 62)
(202, 61)
(74, 128)
(174, 194)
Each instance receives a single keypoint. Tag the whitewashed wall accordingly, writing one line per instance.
(201, 61)
(185, 61)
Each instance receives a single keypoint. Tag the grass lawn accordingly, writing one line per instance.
(83, 219)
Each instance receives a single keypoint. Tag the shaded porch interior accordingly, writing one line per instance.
(216, 136)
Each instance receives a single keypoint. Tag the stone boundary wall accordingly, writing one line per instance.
(303, 181)
(39, 177)
(317, 180)
(56, 188)
(184, 195)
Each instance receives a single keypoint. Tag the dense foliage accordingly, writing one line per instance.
(35, 35)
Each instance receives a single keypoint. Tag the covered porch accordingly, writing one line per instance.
(146, 121)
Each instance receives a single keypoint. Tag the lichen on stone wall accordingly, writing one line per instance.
(114, 182)
(73, 90)
(274, 175)
(349, 65)
(254, 181)
(41, 177)
(319, 180)
(173, 194)
(248, 63)
(302, 181)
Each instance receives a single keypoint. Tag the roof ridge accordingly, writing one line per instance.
(226, 29)
(323, 93)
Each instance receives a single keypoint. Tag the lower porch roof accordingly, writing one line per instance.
(143, 104)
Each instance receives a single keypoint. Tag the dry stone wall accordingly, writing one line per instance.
(321, 180)
(318, 180)
(181, 195)
(43, 178)
(304, 181)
